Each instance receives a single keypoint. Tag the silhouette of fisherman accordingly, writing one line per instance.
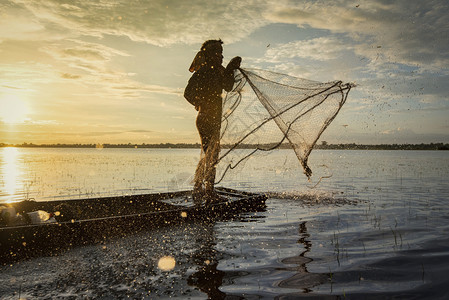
(204, 91)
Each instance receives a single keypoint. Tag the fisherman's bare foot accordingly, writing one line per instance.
(198, 195)
(212, 197)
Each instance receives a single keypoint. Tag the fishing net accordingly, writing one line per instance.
(267, 110)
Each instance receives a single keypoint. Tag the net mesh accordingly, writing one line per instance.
(267, 110)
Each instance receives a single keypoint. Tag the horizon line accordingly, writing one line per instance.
(322, 145)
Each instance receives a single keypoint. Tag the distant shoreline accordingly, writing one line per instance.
(323, 146)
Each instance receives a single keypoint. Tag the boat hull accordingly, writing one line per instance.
(90, 221)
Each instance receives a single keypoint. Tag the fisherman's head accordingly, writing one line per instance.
(211, 53)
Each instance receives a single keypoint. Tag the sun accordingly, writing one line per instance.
(13, 109)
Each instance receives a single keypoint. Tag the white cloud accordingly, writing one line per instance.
(25, 76)
(434, 99)
(154, 22)
(408, 32)
(323, 48)
(398, 131)
(80, 51)
(294, 70)
(91, 67)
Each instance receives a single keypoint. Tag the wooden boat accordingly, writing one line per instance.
(86, 221)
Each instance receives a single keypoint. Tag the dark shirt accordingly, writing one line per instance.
(206, 86)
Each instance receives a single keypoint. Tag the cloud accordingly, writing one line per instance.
(398, 131)
(25, 76)
(70, 76)
(408, 32)
(140, 131)
(154, 22)
(11, 87)
(104, 57)
(434, 99)
(397, 135)
(82, 53)
(150, 88)
(321, 49)
(85, 54)
(92, 62)
(98, 133)
(17, 23)
(403, 135)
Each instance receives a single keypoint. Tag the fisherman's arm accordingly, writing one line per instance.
(229, 73)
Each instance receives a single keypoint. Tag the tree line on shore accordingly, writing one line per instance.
(324, 145)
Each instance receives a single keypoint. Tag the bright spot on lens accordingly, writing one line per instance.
(166, 263)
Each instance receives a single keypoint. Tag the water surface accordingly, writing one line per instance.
(377, 225)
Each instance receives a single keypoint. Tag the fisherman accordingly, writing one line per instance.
(204, 92)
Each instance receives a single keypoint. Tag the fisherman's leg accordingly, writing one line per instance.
(211, 167)
(198, 189)
(200, 173)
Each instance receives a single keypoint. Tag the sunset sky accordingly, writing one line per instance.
(100, 71)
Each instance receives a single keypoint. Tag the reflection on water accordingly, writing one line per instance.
(10, 173)
(262, 260)
(303, 279)
(208, 278)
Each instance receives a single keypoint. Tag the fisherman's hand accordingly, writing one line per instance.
(234, 63)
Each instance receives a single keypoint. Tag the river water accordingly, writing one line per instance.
(375, 226)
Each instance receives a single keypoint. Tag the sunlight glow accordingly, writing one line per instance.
(13, 109)
(9, 171)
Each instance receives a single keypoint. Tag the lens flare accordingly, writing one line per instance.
(166, 263)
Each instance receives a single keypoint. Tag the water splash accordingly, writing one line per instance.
(313, 197)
